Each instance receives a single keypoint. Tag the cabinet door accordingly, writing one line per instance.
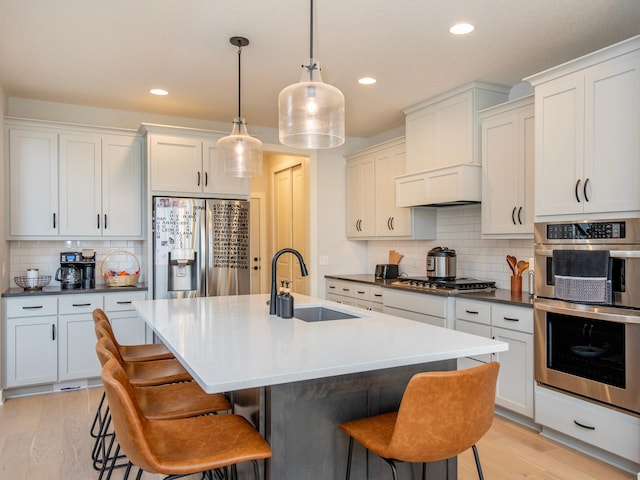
(612, 149)
(176, 164)
(500, 175)
(507, 173)
(33, 183)
(514, 390)
(559, 145)
(77, 347)
(215, 181)
(527, 138)
(360, 197)
(122, 186)
(80, 185)
(390, 220)
(31, 351)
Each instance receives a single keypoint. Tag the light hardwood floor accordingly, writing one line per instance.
(47, 437)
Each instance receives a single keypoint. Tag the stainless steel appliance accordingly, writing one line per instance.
(77, 270)
(458, 285)
(201, 247)
(587, 309)
(441, 263)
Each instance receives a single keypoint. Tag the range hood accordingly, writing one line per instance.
(441, 187)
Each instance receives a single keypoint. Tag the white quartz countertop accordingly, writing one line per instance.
(231, 342)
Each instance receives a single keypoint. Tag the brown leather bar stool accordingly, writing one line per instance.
(130, 353)
(133, 353)
(142, 374)
(441, 415)
(180, 446)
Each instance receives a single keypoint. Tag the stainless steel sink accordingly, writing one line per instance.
(320, 314)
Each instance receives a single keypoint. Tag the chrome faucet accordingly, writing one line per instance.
(303, 271)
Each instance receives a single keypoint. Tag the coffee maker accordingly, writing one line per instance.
(77, 270)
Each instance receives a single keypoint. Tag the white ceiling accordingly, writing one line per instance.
(110, 53)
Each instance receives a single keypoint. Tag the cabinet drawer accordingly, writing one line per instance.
(602, 427)
(376, 294)
(423, 303)
(479, 312)
(118, 302)
(80, 303)
(513, 318)
(333, 287)
(32, 306)
(345, 289)
(360, 291)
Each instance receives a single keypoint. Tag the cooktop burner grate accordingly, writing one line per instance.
(458, 285)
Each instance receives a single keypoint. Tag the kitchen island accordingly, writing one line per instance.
(296, 380)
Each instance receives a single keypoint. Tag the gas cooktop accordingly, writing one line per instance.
(468, 285)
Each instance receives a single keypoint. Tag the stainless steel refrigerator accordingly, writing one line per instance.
(200, 247)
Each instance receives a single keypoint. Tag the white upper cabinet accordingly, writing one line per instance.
(507, 169)
(444, 131)
(587, 143)
(100, 185)
(185, 161)
(371, 195)
(73, 182)
(361, 197)
(33, 182)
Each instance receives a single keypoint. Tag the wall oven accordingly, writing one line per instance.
(587, 310)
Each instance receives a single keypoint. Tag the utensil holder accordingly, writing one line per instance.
(516, 284)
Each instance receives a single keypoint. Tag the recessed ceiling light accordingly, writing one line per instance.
(158, 91)
(367, 81)
(462, 28)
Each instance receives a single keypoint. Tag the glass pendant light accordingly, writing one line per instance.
(239, 153)
(311, 113)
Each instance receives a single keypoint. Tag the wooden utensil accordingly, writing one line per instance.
(512, 263)
(394, 257)
(521, 267)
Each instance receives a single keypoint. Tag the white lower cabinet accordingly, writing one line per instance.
(77, 342)
(355, 294)
(30, 341)
(587, 422)
(51, 338)
(128, 327)
(426, 308)
(510, 324)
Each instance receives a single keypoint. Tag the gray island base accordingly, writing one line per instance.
(300, 421)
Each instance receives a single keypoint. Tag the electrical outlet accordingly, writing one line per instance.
(532, 267)
(323, 260)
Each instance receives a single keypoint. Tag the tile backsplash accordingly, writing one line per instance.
(458, 228)
(45, 256)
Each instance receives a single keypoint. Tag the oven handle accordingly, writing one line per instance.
(595, 312)
(612, 253)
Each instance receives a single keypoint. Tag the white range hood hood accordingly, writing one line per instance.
(442, 187)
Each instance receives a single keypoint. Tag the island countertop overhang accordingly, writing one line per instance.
(232, 343)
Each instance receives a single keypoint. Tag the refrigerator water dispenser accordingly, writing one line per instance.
(183, 271)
